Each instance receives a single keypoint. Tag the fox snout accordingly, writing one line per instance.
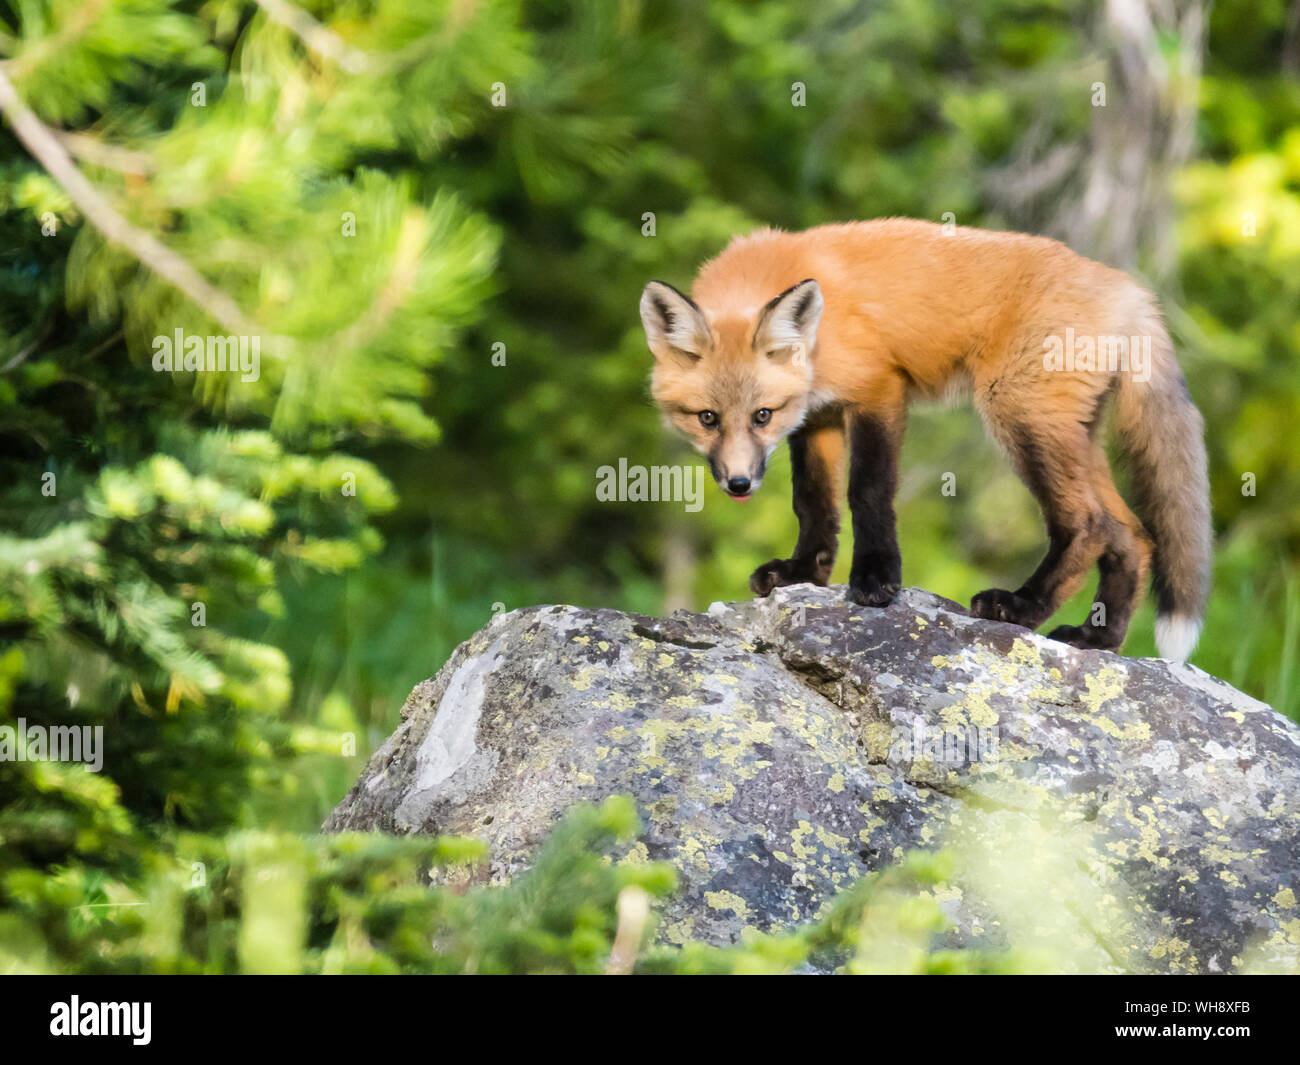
(740, 488)
(737, 483)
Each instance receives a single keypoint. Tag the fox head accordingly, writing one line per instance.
(735, 384)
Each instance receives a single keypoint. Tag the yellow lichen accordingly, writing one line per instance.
(727, 900)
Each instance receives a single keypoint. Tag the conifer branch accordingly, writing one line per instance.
(47, 149)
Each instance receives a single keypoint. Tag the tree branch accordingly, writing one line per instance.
(324, 42)
(46, 148)
(109, 156)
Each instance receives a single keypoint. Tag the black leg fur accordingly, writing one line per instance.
(819, 521)
(877, 571)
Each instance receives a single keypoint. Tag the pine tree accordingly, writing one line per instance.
(176, 178)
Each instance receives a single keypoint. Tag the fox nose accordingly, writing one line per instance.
(738, 486)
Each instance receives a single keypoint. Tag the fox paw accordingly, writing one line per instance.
(868, 591)
(782, 571)
(998, 605)
(1088, 637)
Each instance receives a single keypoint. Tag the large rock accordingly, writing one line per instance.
(1116, 813)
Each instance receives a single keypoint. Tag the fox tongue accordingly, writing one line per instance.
(742, 499)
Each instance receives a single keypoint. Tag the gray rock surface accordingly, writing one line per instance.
(1109, 813)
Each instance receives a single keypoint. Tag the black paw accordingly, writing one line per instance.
(782, 571)
(869, 591)
(994, 604)
(1088, 637)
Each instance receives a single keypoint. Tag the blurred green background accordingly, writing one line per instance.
(439, 217)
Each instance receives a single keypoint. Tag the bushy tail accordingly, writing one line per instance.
(1161, 432)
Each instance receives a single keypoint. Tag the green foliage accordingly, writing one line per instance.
(259, 902)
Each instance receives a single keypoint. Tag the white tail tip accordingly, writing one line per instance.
(1176, 636)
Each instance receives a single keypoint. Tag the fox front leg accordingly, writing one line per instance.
(877, 571)
(816, 464)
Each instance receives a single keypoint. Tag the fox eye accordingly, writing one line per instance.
(708, 418)
(762, 416)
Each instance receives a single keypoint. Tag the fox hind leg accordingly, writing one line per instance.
(1058, 471)
(1124, 565)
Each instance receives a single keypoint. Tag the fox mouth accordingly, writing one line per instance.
(739, 486)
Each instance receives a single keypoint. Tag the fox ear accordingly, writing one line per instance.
(789, 319)
(675, 326)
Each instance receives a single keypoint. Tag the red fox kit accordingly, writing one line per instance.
(823, 337)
